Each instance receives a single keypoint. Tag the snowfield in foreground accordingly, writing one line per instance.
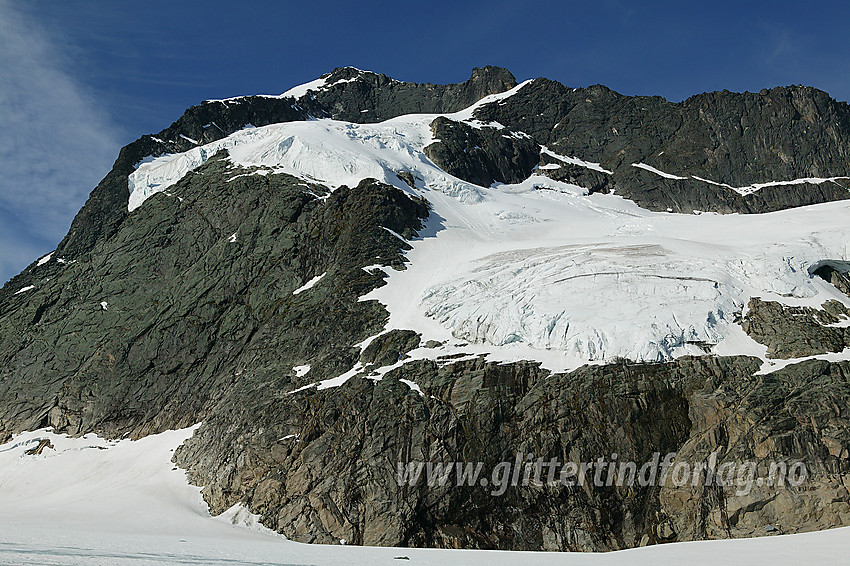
(90, 501)
(540, 270)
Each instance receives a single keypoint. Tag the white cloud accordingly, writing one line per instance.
(56, 141)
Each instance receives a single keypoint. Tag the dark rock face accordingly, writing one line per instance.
(106, 207)
(797, 332)
(322, 465)
(734, 138)
(760, 419)
(779, 134)
(483, 155)
(594, 181)
(360, 96)
(350, 91)
(170, 314)
(835, 272)
(738, 139)
(389, 348)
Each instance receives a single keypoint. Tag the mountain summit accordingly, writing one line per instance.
(360, 274)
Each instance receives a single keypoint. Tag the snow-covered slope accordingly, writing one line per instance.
(89, 501)
(540, 270)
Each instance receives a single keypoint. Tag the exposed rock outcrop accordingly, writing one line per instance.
(482, 155)
(199, 286)
(835, 272)
(797, 332)
(736, 139)
(348, 93)
(320, 466)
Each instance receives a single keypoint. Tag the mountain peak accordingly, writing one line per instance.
(340, 279)
(346, 73)
(497, 76)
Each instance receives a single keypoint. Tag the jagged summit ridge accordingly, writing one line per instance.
(484, 80)
(599, 126)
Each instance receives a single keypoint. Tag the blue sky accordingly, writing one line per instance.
(79, 80)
